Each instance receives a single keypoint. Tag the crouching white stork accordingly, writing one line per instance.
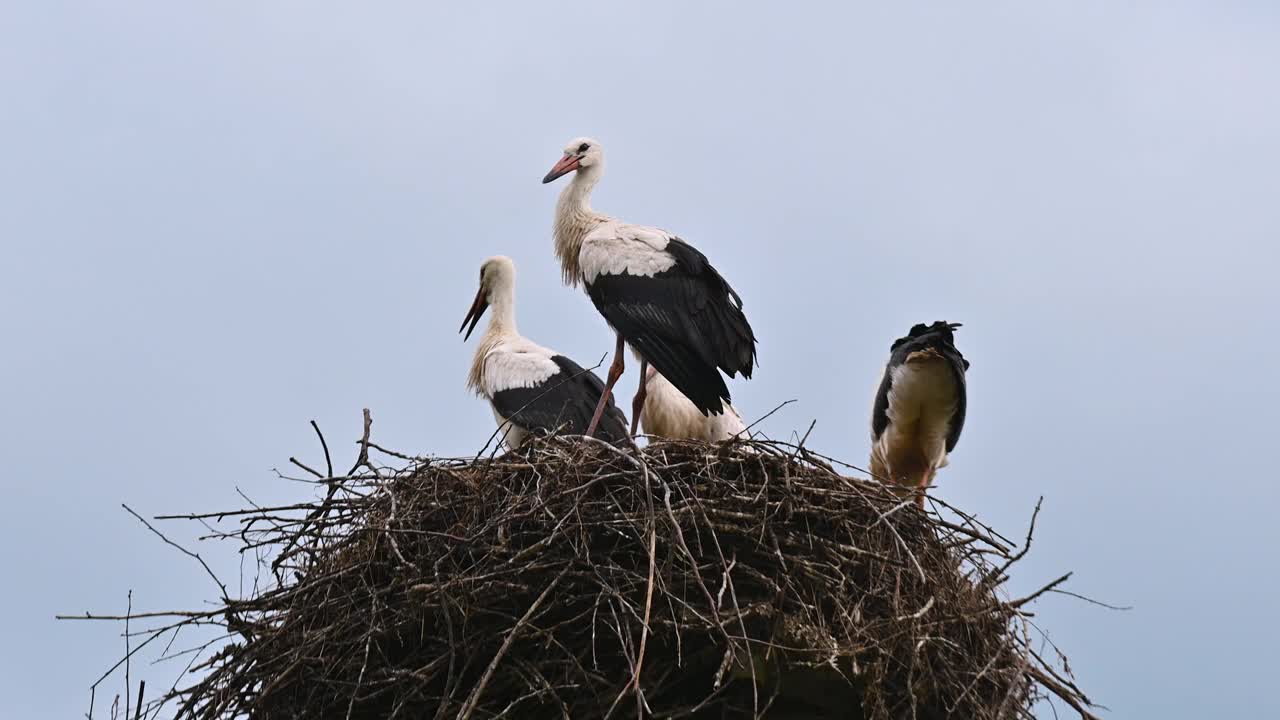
(668, 413)
(659, 294)
(531, 389)
(919, 409)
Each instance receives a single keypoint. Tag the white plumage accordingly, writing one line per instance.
(510, 361)
(669, 414)
(613, 248)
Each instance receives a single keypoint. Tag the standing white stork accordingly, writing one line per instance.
(658, 293)
(532, 389)
(668, 413)
(919, 409)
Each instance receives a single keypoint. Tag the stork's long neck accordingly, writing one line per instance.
(502, 320)
(574, 219)
(502, 326)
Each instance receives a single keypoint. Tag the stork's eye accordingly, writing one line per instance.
(583, 147)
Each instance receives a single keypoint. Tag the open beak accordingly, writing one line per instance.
(478, 307)
(567, 164)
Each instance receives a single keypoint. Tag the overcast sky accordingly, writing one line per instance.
(222, 220)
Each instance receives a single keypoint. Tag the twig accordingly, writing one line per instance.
(392, 453)
(1064, 694)
(327, 461)
(299, 463)
(142, 689)
(184, 551)
(1026, 546)
(1019, 603)
(764, 417)
(1091, 601)
(128, 683)
(363, 457)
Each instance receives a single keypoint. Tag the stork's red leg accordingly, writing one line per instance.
(615, 372)
(637, 403)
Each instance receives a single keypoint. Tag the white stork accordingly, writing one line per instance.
(919, 409)
(532, 389)
(658, 293)
(668, 413)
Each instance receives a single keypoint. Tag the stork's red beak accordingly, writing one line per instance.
(567, 164)
(478, 306)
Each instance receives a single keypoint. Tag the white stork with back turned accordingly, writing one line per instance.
(919, 409)
(658, 293)
(531, 389)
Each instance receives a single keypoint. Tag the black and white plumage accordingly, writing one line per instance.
(658, 293)
(919, 409)
(531, 389)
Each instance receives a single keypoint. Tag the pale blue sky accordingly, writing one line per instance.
(221, 220)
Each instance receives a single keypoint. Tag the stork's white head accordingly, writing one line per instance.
(580, 154)
(497, 278)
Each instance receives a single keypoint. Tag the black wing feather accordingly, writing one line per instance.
(565, 402)
(717, 310)
(686, 321)
(958, 367)
(880, 411)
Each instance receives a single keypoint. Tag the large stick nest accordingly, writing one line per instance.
(572, 579)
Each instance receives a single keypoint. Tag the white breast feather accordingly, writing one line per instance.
(614, 248)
